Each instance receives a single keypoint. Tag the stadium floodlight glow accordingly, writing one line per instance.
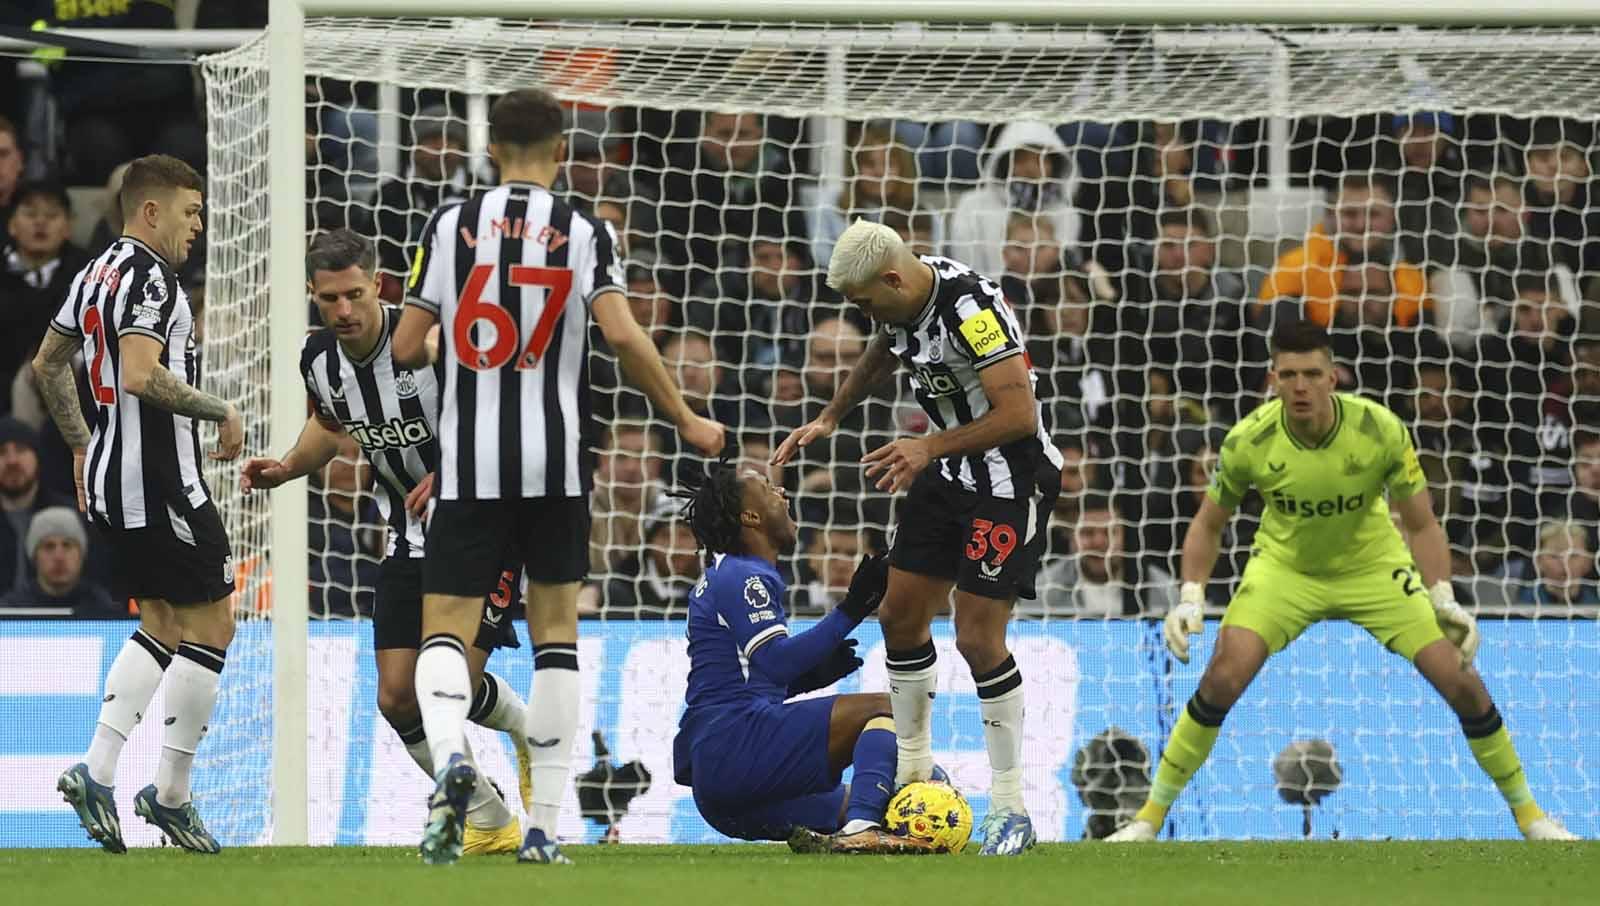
(1042, 60)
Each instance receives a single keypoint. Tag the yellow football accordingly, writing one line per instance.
(932, 811)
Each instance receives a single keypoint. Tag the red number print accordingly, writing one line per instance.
(471, 309)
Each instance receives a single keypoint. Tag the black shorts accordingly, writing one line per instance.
(183, 559)
(470, 540)
(989, 546)
(397, 616)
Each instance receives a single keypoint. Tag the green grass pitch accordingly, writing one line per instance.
(1230, 874)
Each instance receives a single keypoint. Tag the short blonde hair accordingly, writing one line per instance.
(1553, 532)
(862, 252)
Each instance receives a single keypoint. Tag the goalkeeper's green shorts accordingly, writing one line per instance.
(1387, 600)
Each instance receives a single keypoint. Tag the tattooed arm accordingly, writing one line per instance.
(145, 377)
(52, 370)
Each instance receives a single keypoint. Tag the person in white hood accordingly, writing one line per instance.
(1029, 171)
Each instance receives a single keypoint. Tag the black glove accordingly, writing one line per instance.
(866, 587)
(840, 663)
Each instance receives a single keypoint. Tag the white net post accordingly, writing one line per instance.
(1292, 99)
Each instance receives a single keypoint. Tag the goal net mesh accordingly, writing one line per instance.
(1153, 201)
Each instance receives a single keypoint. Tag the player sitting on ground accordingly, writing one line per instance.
(1327, 549)
(981, 490)
(763, 769)
(392, 413)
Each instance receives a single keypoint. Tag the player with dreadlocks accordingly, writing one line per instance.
(762, 767)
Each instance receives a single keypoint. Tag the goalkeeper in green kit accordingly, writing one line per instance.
(1327, 549)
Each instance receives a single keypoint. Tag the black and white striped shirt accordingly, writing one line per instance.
(966, 327)
(391, 413)
(143, 462)
(510, 276)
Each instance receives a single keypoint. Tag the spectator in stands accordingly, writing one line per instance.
(57, 547)
(437, 175)
(1088, 355)
(919, 230)
(38, 267)
(832, 350)
(1075, 479)
(1559, 197)
(1029, 172)
(1031, 252)
(1586, 483)
(1476, 265)
(829, 555)
(652, 306)
(1147, 447)
(946, 152)
(345, 537)
(880, 176)
(1563, 568)
(700, 373)
(1373, 355)
(1098, 580)
(656, 581)
(116, 111)
(1530, 375)
(21, 498)
(626, 488)
(760, 313)
(327, 173)
(1156, 176)
(11, 164)
(714, 191)
(1426, 162)
(1193, 312)
(1444, 437)
(1196, 470)
(1358, 230)
(592, 143)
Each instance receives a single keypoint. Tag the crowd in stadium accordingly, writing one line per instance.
(1456, 260)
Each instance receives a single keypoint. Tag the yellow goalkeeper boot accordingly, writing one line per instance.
(483, 841)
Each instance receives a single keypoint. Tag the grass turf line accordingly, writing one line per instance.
(1228, 874)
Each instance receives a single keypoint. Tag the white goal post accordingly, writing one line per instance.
(286, 212)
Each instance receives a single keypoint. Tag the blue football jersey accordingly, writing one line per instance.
(735, 609)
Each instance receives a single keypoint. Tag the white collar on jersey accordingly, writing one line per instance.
(141, 244)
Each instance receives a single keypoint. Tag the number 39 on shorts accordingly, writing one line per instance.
(471, 308)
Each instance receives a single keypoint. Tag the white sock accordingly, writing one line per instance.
(497, 706)
(1000, 704)
(552, 721)
(485, 810)
(416, 743)
(443, 696)
(130, 684)
(912, 678)
(856, 826)
(191, 696)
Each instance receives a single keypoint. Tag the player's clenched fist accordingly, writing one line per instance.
(705, 435)
(814, 430)
(1185, 620)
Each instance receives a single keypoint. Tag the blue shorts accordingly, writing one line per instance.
(760, 771)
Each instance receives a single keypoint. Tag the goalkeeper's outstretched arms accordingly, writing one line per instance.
(1431, 551)
(1200, 547)
(317, 445)
(876, 364)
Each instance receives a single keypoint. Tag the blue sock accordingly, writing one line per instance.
(874, 761)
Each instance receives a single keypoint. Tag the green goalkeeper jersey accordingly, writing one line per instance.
(1324, 509)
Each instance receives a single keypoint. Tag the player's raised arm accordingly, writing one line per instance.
(876, 364)
(642, 363)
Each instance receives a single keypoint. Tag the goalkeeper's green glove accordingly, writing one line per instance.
(1457, 625)
(1187, 619)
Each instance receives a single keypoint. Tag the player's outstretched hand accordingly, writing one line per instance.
(810, 432)
(899, 462)
(866, 587)
(1457, 625)
(417, 500)
(230, 436)
(1184, 620)
(840, 663)
(704, 435)
(262, 475)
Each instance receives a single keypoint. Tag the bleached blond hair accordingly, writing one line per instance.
(864, 250)
(1557, 537)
